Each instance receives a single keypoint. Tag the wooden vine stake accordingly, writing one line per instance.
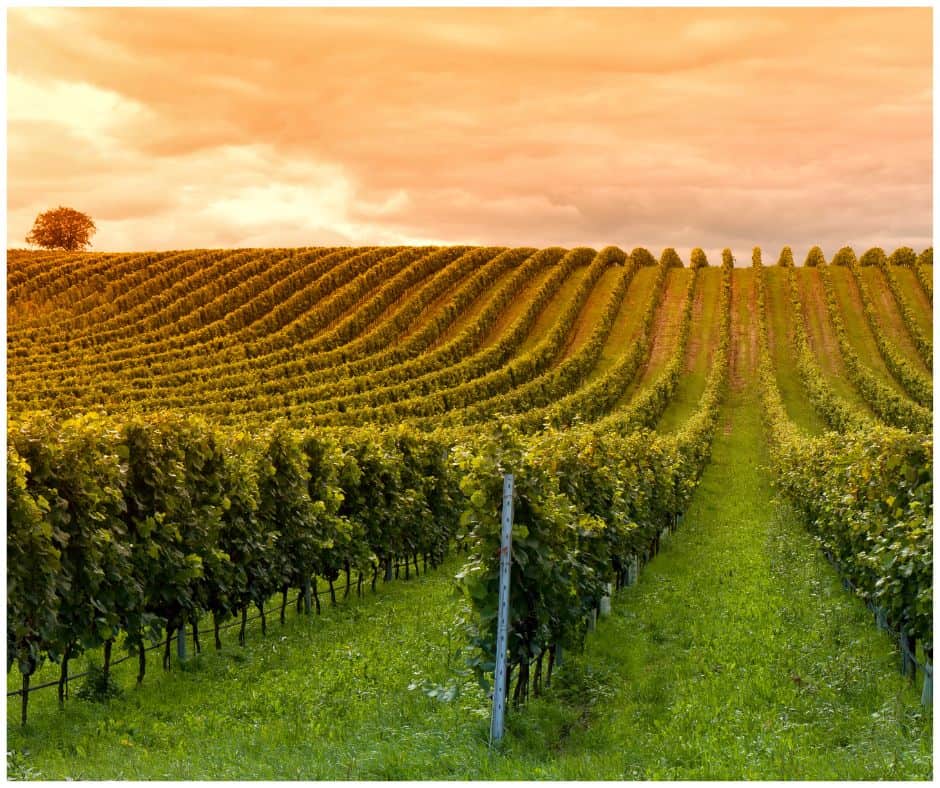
(502, 621)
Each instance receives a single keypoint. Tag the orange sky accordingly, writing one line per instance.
(683, 127)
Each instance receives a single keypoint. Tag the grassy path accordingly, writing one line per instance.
(664, 333)
(629, 321)
(822, 338)
(850, 307)
(740, 656)
(553, 309)
(703, 337)
(915, 297)
(889, 316)
(593, 308)
(779, 317)
(476, 308)
(324, 697)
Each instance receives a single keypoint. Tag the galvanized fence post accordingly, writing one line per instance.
(605, 600)
(181, 643)
(502, 621)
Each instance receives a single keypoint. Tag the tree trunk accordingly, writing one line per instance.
(359, 583)
(551, 665)
(509, 671)
(316, 596)
(348, 580)
(197, 648)
(64, 674)
(375, 575)
(24, 705)
(283, 603)
(517, 693)
(537, 683)
(332, 594)
(264, 620)
(215, 627)
(908, 665)
(166, 650)
(107, 656)
(141, 662)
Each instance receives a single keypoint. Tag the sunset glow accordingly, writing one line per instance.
(683, 127)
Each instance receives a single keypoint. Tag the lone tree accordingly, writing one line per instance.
(62, 228)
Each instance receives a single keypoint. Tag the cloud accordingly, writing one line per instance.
(226, 196)
(177, 127)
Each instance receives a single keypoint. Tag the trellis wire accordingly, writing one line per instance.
(235, 622)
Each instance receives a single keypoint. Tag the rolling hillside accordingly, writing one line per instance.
(195, 435)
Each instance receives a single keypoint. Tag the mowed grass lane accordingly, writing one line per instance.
(860, 336)
(889, 316)
(822, 338)
(738, 655)
(780, 335)
(553, 309)
(594, 307)
(915, 297)
(629, 321)
(664, 333)
(703, 339)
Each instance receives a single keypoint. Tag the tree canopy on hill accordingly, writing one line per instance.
(62, 228)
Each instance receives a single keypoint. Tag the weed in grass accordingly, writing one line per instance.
(98, 686)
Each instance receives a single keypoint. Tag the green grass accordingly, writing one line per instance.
(703, 338)
(552, 310)
(915, 297)
(889, 316)
(590, 315)
(629, 321)
(667, 324)
(779, 315)
(322, 697)
(822, 338)
(508, 315)
(664, 333)
(850, 307)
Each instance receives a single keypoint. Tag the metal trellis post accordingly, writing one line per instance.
(502, 623)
